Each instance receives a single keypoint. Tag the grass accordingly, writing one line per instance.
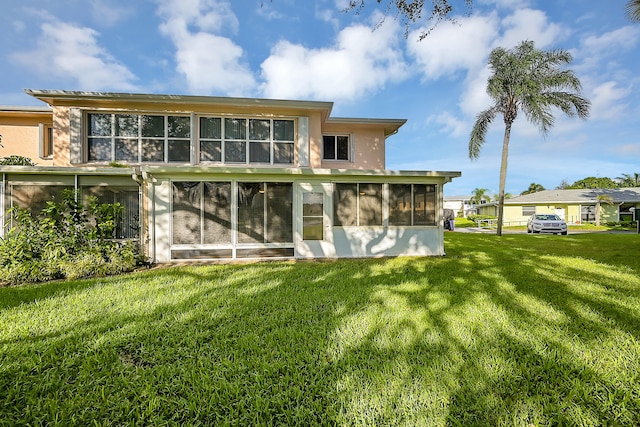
(518, 330)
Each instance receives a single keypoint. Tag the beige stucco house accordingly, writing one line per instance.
(225, 178)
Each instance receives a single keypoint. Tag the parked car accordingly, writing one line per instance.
(546, 223)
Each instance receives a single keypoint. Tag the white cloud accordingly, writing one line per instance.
(209, 62)
(361, 60)
(452, 47)
(530, 24)
(71, 52)
(628, 150)
(450, 124)
(107, 13)
(606, 101)
(623, 38)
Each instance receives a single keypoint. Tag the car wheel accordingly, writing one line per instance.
(535, 232)
(564, 233)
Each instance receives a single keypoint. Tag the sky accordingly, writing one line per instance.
(369, 66)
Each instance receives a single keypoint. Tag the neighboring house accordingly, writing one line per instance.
(460, 205)
(574, 206)
(226, 178)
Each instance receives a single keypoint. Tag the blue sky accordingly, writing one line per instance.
(311, 50)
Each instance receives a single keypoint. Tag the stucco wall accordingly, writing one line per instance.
(21, 136)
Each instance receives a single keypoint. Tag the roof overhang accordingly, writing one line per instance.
(390, 126)
(105, 99)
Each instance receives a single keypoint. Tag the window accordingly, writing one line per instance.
(128, 222)
(46, 141)
(588, 213)
(624, 212)
(265, 212)
(312, 216)
(357, 205)
(201, 213)
(335, 147)
(528, 210)
(412, 204)
(246, 140)
(138, 138)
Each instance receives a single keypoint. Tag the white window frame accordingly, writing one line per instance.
(139, 138)
(247, 140)
(335, 142)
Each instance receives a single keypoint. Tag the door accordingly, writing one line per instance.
(313, 236)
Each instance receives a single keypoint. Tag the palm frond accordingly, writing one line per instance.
(479, 131)
(633, 10)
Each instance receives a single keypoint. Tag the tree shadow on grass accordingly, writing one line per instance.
(496, 333)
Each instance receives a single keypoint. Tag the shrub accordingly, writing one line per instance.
(15, 160)
(476, 217)
(66, 240)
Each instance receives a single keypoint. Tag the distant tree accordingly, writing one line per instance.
(479, 196)
(626, 180)
(533, 188)
(593, 183)
(496, 197)
(532, 81)
(564, 184)
(633, 10)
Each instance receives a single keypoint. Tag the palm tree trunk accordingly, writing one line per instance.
(503, 176)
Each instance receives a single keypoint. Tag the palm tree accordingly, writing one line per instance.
(633, 10)
(533, 188)
(626, 180)
(531, 80)
(479, 195)
(601, 198)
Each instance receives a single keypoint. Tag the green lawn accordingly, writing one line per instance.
(519, 330)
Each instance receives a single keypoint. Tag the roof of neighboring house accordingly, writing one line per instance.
(617, 195)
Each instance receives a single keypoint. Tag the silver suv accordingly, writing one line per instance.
(546, 223)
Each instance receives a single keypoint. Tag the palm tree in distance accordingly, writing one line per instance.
(533, 188)
(479, 196)
(633, 10)
(529, 80)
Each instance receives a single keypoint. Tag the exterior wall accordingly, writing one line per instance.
(573, 214)
(61, 137)
(608, 212)
(513, 215)
(484, 209)
(315, 140)
(21, 135)
(368, 145)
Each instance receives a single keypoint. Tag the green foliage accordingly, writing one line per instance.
(15, 160)
(476, 217)
(533, 188)
(592, 182)
(66, 240)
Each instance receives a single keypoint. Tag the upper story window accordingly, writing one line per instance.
(246, 140)
(336, 147)
(138, 138)
(46, 141)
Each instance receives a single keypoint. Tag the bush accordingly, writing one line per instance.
(15, 160)
(67, 240)
(476, 217)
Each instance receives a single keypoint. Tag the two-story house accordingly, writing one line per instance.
(225, 178)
